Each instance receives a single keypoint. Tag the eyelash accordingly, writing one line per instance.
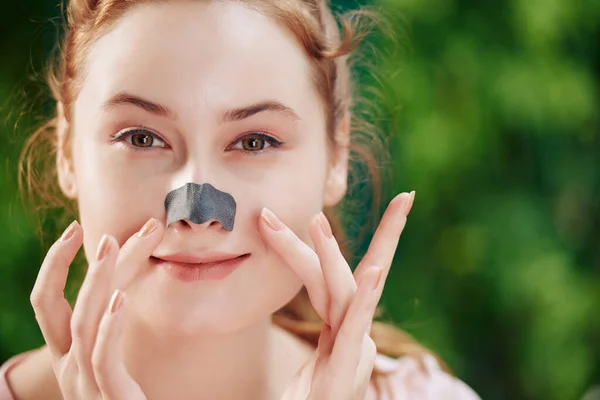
(274, 143)
(123, 135)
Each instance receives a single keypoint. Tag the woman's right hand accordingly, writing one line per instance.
(85, 343)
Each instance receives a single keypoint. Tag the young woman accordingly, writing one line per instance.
(253, 99)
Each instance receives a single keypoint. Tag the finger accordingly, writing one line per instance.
(66, 373)
(385, 241)
(110, 372)
(52, 311)
(300, 385)
(348, 346)
(299, 257)
(90, 304)
(339, 280)
(365, 367)
(135, 252)
(325, 343)
(103, 275)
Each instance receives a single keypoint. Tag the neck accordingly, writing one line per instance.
(242, 364)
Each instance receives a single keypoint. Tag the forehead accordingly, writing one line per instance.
(200, 55)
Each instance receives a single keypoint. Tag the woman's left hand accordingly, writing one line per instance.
(342, 364)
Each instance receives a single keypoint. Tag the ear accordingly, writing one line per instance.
(337, 179)
(64, 162)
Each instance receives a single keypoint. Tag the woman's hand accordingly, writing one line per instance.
(342, 364)
(85, 343)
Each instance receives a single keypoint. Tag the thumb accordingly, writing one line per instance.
(300, 386)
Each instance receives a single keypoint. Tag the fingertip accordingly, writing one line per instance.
(113, 241)
(160, 226)
(315, 221)
(368, 284)
(377, 275)
(106, 352)
(106, 244)
(325, 225)
(157, 227)
(399, 204)
(148, 228)
(314, 229)
(116, 302)
(371, 277)
(270, 220)
(71, 230)
(61, 254)
(70, 241)
(410, 202)
(109, 329)
(148, 237)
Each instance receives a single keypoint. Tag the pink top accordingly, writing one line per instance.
(403, 377)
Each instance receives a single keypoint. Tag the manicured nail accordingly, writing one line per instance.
(272, 221)
(325, 227)
(410, 201)
(102, 248)
(68, 233)
(148, 228)
(115, 302)
(377, 277)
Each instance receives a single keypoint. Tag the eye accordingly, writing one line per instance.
(256, 142)
(139, 138)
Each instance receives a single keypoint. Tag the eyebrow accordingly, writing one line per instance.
(147, 105)
(248, 111)
(236, 114)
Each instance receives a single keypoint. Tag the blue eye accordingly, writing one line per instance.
(139, 138)
(256, 142)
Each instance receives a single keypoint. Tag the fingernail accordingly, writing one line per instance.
(68, 233)
(377, 278)
(325, 227)
(272, 221)
(410, 202)
(102, 248)
(115, 302)
(148, 228)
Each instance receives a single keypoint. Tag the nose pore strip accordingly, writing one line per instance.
(200, 203)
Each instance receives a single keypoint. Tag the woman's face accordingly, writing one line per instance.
(179, 83)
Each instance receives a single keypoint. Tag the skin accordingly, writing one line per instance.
(205, 334)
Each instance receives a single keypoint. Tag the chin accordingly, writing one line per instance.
(248, 296)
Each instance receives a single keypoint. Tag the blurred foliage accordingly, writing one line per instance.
(494, 106)
(492, 111)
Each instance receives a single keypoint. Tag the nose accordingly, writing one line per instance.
(198, 204)
(188, 224)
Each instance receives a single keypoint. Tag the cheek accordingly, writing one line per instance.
(295, 191)
(298, 202)
(114, 200)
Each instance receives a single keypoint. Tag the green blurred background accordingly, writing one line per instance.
(492, 112)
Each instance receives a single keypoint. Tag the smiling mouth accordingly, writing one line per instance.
(192, 270)
(191, 262)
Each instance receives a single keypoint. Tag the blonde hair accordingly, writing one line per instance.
(314, 25)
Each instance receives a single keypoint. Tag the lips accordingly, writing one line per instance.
(189, 267)
(207, 258)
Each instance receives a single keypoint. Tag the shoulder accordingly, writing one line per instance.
(404, 378)
(29, 376)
